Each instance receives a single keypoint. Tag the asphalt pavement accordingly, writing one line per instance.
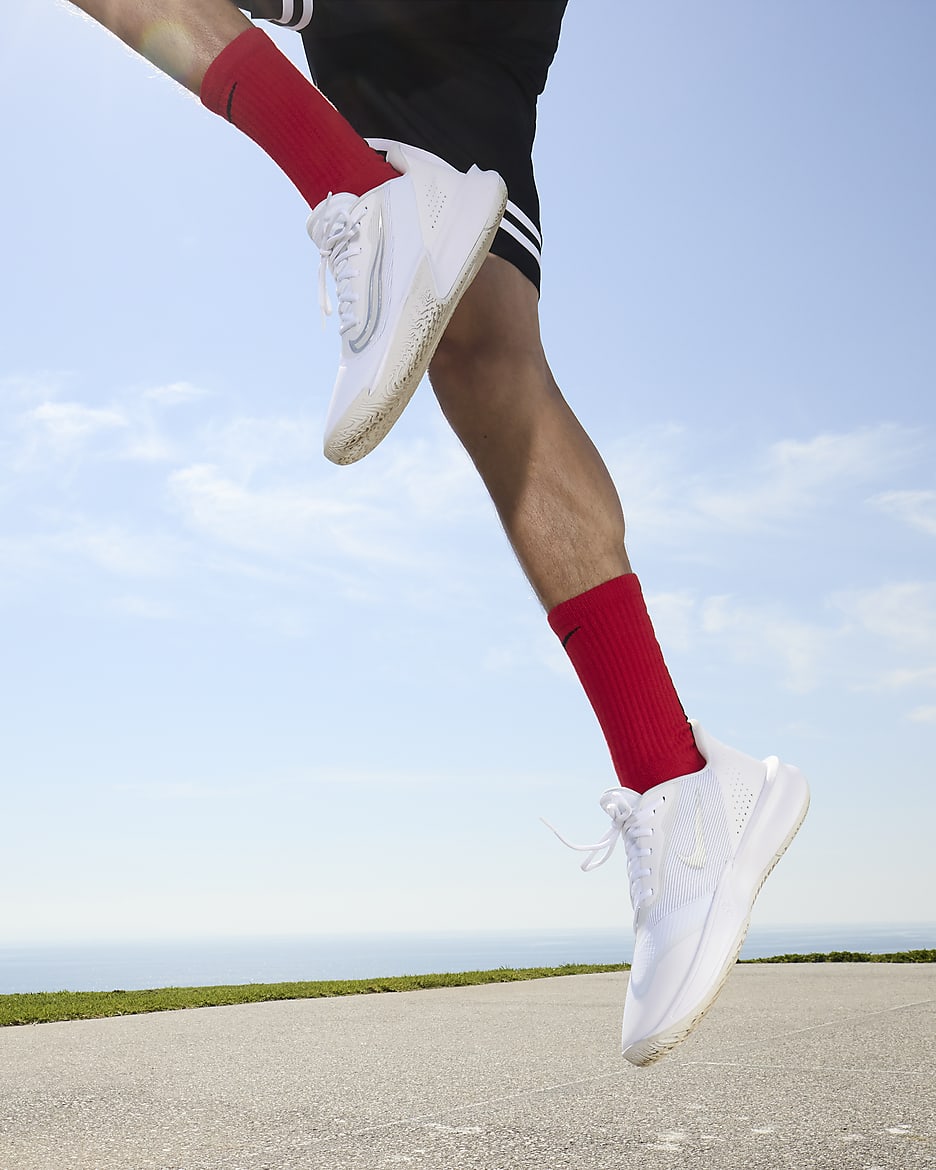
(827, 1066)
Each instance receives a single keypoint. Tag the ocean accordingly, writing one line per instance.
(108, 966)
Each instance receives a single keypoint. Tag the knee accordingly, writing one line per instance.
(492, 344)
(481, 365)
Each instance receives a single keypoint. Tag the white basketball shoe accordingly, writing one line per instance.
(401, 256)
(699, 848)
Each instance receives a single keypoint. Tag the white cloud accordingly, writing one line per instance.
(143, 607)
(903, 615)
(119, 551)
(67, 424)
(92, 434)
(435, 481)
(182, 791)
(125, 429)
(268, 491)
(871, 641)
(38, 386)
(297, 782)
(38, 555)
(245, 445)
(793, 476)
(174, 393)
(672, 482)
(426, 478)
(149, 447)
(673, 618)
(918, 509)
(266, 505)
(529, 645)
(923, 715)
(922, 677)
(875, 639)
(770, 635)
(284, 522)
(654, 474)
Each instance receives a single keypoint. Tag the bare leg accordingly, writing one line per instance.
(555, 498)
(180, 37)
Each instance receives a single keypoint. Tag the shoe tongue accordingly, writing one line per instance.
(617, 798)
(632, 797)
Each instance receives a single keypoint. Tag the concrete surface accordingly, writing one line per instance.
(828, 1067)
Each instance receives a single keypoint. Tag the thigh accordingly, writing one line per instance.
(457, 77)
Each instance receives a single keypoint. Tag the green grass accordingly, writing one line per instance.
(47, 1007)
(852, 957)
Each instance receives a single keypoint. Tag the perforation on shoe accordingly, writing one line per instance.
(740, 803)
(435, 202)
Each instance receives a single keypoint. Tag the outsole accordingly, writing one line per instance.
(370, 421)
(653, 1048)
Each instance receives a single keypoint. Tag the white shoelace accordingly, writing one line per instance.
(631, 825)
(337, 253)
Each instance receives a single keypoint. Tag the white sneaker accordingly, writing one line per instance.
(402, 256)
(699, 848)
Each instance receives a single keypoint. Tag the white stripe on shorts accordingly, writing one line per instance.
(306, 16)
(524, 219)
(518, 234)
(296, 14)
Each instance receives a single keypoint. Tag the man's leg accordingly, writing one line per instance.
(553, 493)
(211, 48)
(180, 37)
(562, 515)
(403, 238)
(702, 824)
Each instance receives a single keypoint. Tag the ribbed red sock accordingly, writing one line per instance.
(608, 635)
(252, 84)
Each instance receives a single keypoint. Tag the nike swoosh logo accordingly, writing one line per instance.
(696, 859)
(374, 294)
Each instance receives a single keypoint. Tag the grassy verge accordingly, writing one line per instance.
(47, 1007)
(852, 957)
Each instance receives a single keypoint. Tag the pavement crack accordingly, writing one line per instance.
(800, 1068)
(825, 1024)
(427, 1118)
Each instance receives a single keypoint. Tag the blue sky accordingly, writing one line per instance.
(246, 692)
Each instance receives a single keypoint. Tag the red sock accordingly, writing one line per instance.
(252, 84)
(608, 636)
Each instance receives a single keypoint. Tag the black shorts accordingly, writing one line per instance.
(459, 78)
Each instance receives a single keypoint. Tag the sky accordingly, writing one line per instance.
(245, 692)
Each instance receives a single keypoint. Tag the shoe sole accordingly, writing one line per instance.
(652, 1048)
(372, 415)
